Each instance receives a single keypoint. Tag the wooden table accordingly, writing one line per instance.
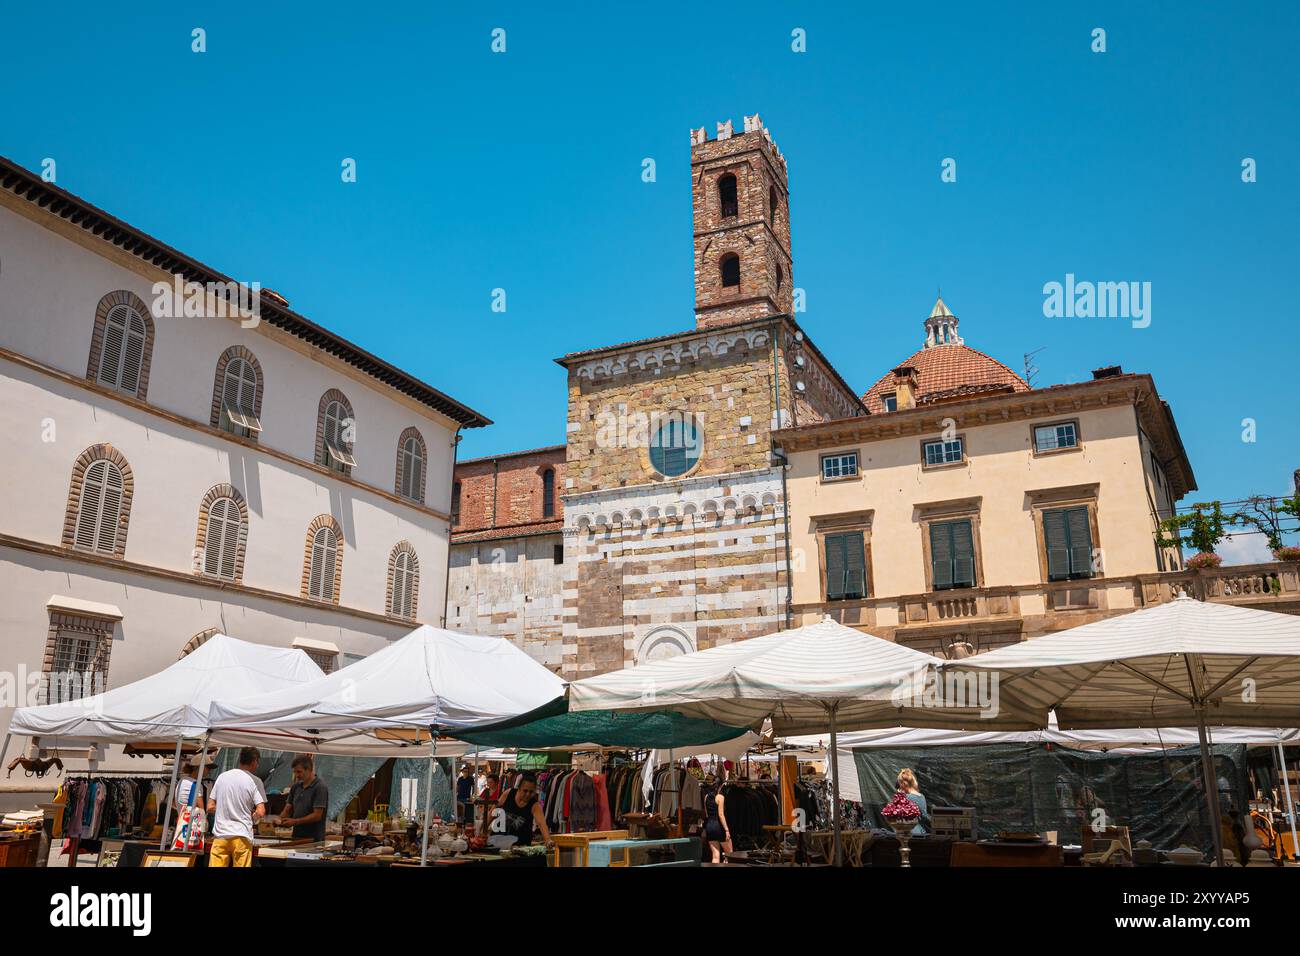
(19, 849)
(994, 853)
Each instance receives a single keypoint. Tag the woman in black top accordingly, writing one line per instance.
(716, 831)
(520, 811)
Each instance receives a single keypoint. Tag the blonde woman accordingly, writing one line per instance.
(907, 783)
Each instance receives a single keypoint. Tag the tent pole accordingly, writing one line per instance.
(835, 779)
(473, 795)
(1290, 805)
(171, 789)
(428, 802)
(1211, 784)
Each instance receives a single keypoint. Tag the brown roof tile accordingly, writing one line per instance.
(950, 370)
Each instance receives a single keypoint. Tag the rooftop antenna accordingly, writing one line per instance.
(1031, 370)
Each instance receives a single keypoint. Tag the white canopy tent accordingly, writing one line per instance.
(795, 677)
(173, 703)
(431, 678)
(396, 701)
(1184, 663)
(823, 676)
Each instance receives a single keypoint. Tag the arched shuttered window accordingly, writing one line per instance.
(221, 549)
(123, 355)
(323, 562)
(335, 433)
(403, 581)
(239, 399)
(411, 459)
(324, 549)
(99, 510)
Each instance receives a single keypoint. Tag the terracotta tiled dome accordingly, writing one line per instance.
(946, 368)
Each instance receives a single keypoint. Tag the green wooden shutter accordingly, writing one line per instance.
(1080, 533)
(941, 555)
(963, 555)
(835, 563)
(855, 566)
(1056, 538)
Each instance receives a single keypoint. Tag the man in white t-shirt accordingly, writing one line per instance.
(239, 801)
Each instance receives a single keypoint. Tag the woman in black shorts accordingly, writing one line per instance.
(716, 831)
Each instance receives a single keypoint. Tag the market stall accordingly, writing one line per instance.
(171, 705)
(1186, 663)
(401, 701)
(821, 677)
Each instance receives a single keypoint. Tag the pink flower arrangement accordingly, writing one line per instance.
(1204, 559)
(900, 808)
(1288, 553)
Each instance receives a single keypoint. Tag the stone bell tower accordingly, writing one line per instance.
(743, 268)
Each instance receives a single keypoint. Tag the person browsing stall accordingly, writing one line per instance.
(238, 801)
(521, 812)
(308, 800)
(907, 783)
(465, 796)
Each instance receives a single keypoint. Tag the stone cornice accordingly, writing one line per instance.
(1138, 391)
(198, 580)
(674, 352)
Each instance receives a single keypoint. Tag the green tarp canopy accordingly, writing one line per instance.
(552, 725)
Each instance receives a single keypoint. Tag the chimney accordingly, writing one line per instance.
(905, 387)
(1110, 371)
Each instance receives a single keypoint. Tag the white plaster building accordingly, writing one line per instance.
(167, 476)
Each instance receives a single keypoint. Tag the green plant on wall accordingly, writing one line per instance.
(1269, 516)
(1201, 528)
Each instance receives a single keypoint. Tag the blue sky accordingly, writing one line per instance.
(522, 171)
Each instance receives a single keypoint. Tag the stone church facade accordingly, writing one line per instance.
(666, 530)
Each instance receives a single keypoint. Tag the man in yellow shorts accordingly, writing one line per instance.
(238, 801)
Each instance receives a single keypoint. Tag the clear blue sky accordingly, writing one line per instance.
(523, 171)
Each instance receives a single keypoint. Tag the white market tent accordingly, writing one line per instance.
(430, 679)
(1184, 663)
(796, 677)
(1171, 665)
(173, 702)
(394, 702)
(809, 679)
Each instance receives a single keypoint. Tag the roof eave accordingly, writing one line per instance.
(59, 202)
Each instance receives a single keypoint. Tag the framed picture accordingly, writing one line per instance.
(110, 851)
(158, 858)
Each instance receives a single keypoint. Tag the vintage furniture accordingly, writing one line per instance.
(571, 849)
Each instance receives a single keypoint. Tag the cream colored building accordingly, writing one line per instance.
(970, 510)
(167, 476)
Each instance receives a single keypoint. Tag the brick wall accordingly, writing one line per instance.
(506, 491)
(759, 232)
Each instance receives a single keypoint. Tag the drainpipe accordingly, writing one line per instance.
(446, 584)
(785, 488)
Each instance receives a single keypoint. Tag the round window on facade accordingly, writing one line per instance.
(675, 446)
